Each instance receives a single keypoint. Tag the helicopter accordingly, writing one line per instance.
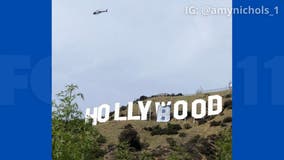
(99, 11)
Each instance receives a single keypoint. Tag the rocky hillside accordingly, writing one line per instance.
(183, 139)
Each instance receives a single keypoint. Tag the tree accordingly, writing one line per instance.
(130, 136)
(72, 138)
(67, 109)
(224, 145)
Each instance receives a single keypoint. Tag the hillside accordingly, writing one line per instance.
(190, 128)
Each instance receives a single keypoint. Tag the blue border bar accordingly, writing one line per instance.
(25, 88)
(258, 66)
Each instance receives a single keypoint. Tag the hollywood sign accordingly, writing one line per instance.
(199, 109)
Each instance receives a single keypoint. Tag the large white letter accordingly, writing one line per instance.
(211, 105)
(116, 113)
(144, 109)
(106, 109)
(93, 116)
(164, 114)
(184, 109)
(202, 113)
(130, 112)
(161, 104)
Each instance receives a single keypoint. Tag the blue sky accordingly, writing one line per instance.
(139, 48)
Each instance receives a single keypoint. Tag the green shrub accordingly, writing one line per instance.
(174, 126)
(172, 129)
(123, 153)
(228, 104)
(223, 124)
(169, 130)
(146, 156)
(199, 146)
(209, 118)
(156, 130)
(201, 121)
(182, 134)
(128, 126)
(123, 108)
(148, 128)
(227, 120)
(215, 123)
(101, 139)
(228, 95)
(142, 98)
(130, 136)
